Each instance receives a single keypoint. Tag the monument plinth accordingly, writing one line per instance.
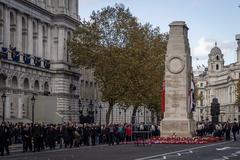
(178, 68)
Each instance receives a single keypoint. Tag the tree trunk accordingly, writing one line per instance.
(152, 117)
(134, 114)
(110, 108)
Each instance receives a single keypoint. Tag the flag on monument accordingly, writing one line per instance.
(163, 96)
(192, 96)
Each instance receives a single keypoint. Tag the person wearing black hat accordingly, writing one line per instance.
(4, 138)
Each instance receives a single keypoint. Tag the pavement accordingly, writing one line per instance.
(216, 151)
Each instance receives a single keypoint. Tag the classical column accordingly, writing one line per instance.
(54, 48)
(61, 43)
(49, 40)
(19, 32)
(61, 6)
(238, 47)
(30, 36)
(7, 106)
(74, 7)
(20, 109)
(6, 36)
(40, 40)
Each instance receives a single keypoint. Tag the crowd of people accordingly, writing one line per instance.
(220, 129)
(39, 136)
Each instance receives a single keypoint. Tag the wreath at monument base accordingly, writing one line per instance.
(178, 140)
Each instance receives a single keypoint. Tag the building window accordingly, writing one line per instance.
(217, 67)
(14, 82)
(201, 84)
(201, 100)
(26, 84)
(3, 78)
(217, 58)
(86, 85)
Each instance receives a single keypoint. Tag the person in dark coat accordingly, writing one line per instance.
(235, 129)
(71, 131)
(36, 133)
(80, 131)
(66, 136)
(27, 138)
(227, 128)
(4, 138)
(86, 135)
(51, 133)
(93, 133)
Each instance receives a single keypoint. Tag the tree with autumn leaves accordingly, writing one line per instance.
(127, 58)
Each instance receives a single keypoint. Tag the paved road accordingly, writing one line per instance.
(216, 151)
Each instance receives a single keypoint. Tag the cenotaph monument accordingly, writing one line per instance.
(178, 69)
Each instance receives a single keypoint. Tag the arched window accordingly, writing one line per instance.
(35, 34)
(46, 86)
(3, 78)
(26, 84)
(24, 35)
(86, 84)
(12, 30)
(217, 58)
(36, 85)
(14, 82)
(201, 100)
(217, 67)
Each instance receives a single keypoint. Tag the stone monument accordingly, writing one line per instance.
(178, 69)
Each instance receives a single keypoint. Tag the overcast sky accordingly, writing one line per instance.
(209, 21)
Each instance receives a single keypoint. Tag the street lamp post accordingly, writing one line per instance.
(80, 109)
(125, 115)
(144, 115)
(119, 114)
(3, 101)
(91, 111)
(33, 102)
(100, 114)
(138, 114)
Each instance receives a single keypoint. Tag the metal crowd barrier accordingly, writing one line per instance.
(142, 137)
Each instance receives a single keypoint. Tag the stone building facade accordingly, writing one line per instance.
(219, 81)
(35, 58)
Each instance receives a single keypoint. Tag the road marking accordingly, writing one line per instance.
(184, 150)
(226, 148)
(225, 157)
(221, 149)
(234, 155)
